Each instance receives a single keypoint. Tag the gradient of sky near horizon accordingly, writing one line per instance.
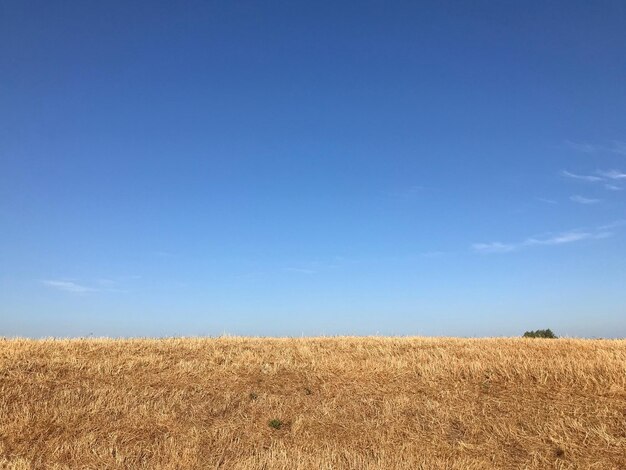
(308, 168)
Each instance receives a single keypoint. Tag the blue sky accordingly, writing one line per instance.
(288, 168)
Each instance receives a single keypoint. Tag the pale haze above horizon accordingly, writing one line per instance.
(312, 168)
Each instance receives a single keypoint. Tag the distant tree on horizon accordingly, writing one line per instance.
(540, 334)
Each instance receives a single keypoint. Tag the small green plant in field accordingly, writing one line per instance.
(275, 423)
(540, 334)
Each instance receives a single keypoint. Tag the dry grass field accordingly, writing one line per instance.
(339, 403)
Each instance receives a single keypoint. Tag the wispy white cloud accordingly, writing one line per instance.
(98, 285)
(612, 174)
(566, 237)
(583, 147)
(68, 286)
(584, 200)
(570, 236)
(546, 200)
(618, 147)
(494, 247)
(608, 177)
(612, 225)
(588, 178)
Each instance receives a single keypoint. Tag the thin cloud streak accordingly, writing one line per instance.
(582, 147)
(612, 174)
(612, 225)
(617, 146)
(100, 285)
(608, 177)
(68, 286)
(546, 200)
(567, 237)
(493, 247)
(584, 200)
(571, 236)
(588, 178)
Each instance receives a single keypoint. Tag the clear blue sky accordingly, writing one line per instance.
(288, 168)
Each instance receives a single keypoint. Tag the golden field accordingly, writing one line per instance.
(342, 403)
